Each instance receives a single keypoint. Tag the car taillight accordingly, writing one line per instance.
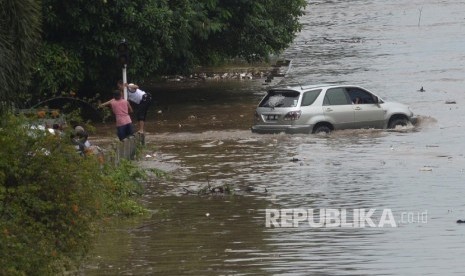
(292, 116)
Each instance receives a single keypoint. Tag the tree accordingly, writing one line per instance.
(249, 29)
(165, 37)
(20, 22)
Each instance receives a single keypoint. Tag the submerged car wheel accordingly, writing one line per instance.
(322, 129)
(399, 121)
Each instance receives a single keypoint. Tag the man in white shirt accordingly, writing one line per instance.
(142, 100)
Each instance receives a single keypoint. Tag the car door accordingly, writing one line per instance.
(338, 108)
(368, 112)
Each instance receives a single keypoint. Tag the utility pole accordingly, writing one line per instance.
(125, 80)
(123, 56)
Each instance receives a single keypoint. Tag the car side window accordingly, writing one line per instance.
(310, 97)
(336, 96)
(360, 96)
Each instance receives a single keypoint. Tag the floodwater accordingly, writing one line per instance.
(201, 136)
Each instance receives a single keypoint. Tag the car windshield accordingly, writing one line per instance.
(280, 98)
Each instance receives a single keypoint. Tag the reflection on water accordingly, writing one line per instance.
(204, 132)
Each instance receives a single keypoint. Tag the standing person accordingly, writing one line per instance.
(121, 108)
(142, 100)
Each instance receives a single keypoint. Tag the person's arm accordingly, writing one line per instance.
(129, 107)
(105, 103)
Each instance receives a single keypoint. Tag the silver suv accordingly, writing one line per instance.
(324, 108)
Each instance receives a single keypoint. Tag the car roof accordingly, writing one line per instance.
(313, 86)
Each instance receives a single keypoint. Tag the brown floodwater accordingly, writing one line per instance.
(199, 132)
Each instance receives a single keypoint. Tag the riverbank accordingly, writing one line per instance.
(235, 70)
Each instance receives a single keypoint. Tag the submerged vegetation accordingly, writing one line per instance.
(52, 199)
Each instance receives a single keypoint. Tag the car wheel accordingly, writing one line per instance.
(322, 129)
(398, 122)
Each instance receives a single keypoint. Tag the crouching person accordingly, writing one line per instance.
(79, 138)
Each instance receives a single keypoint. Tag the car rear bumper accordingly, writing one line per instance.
(282, 128)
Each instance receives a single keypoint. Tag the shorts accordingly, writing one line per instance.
(124, 131)
(141, 109)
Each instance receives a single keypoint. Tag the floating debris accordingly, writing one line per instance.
(451, 102)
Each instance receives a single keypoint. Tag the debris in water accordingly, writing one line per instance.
(295, 159)
(207, 214)
(460, 221)
(426, 169)
(249, 189)
(422, 90)
(451, 102)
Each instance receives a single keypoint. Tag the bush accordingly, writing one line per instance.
(51, 199)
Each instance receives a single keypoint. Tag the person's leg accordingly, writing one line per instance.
(129, 129)
(141, 126)
(142, 114)
(125, 131)
(120, 131)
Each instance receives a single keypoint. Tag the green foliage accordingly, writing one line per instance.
(250, 29)
(164, 36)
(124, 183)
(19, 36)
(51, 199)
(57, 71)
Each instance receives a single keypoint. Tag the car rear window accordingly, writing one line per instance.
(280, 98)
